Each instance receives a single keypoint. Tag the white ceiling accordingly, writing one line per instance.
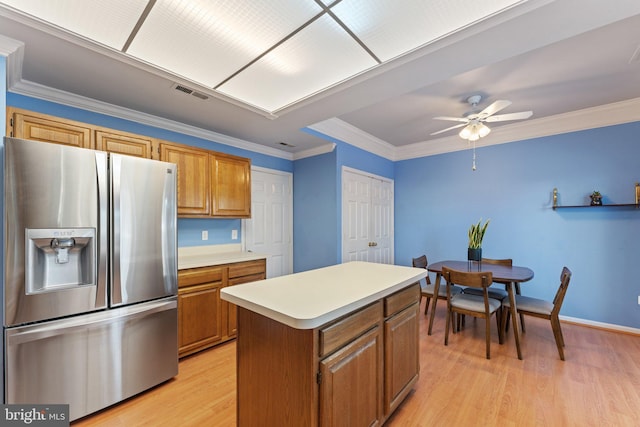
(371, 72)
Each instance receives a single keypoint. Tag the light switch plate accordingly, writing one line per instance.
(205, 235)
(234, 234)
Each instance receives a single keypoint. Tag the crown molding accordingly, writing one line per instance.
(323, 149)
(35, 90)
(13, 50)
(588, 118)
(352, 135)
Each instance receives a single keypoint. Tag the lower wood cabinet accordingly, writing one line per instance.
(205, 320)
(354, 371)
(350, 383)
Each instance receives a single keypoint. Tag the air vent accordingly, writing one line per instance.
(200, 95)
(189, 91)
(286, 144)
(184, 89)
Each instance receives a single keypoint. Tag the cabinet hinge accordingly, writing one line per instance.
(319, 377)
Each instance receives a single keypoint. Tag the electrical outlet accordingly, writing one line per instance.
(234, 234)
(638, 299)
(205, 235)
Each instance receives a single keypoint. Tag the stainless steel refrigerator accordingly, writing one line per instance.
(90, 275)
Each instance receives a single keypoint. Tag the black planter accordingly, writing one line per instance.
(474, 254)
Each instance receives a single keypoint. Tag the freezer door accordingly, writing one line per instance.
(55, 231)
(95, 360)
(143, 234)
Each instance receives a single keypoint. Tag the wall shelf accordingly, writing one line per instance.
(635, 205)
(626, 205)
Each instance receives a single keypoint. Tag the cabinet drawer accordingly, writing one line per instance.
(246, 268)
(343, 331)
(401, 299)
(195, 276)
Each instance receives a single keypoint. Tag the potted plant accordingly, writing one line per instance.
(476, 233)
(596, 198)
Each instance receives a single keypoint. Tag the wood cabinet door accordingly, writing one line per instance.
(229, 310)
(199, 317)
(401, 356)
(351, 383)
(123, 143)
(193, 178)
(231, 191)
(41, 127)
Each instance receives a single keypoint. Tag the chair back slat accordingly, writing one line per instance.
(420, 262)
(565, 278)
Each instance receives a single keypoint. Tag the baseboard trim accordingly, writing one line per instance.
(601, 325)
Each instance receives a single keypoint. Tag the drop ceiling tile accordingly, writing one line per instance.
(315, 58)
(109, 22)
(208, 41)
(391, 28)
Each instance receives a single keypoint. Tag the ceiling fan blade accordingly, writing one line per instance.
(512, 116)
(494, 108)
(449, 128)
(454, 119)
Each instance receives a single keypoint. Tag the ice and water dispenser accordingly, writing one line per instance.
(58, 259)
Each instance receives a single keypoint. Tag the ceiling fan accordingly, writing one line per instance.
(474, 123)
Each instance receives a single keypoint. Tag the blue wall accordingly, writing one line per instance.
(438, 197)
(189, 230)
(315, 222)
(317, 201)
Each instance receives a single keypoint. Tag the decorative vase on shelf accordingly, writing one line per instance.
(596, 198)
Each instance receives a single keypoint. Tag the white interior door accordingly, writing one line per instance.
(367, 217)
(270, 229)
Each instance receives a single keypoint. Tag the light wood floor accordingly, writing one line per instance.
(597, 385)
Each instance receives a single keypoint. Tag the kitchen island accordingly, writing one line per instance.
(332, 346)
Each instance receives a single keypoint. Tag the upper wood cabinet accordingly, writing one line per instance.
(210, 184)
(41, 127)
(193, 178)
(125, 143)
(231, 186)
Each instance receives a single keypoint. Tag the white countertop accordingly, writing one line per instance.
(312, 298)
(204, 256)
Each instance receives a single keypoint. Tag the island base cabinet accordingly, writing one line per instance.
(353, 371)
(276, 373)
(401, 358)
(350, 381)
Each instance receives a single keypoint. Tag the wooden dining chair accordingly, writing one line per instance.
(428, 290)
(495, 292)
(473, 305)
(544, 309)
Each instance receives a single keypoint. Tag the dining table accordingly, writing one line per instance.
(509, 276)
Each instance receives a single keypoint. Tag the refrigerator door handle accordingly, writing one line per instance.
(116, 177)
(66, 326)
(103, 230)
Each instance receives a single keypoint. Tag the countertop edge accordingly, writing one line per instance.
(227, 294)
(197, 261)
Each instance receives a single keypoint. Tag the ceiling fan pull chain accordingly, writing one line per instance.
(473, 165)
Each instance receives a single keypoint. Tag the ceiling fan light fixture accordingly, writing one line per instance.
(483, 130)
(466, 132)
(474, 131)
